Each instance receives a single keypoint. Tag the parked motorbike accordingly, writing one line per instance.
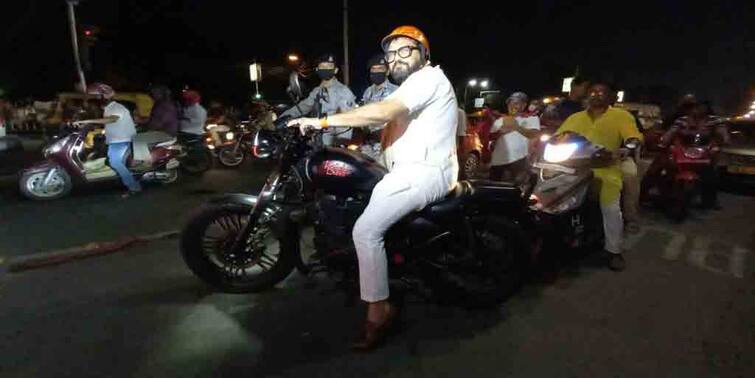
(68, 162)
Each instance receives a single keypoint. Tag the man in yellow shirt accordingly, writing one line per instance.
(611, 128)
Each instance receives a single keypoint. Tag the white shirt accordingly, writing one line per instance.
(512, 146)
(122, 130)
(193, 119)
(430, 136)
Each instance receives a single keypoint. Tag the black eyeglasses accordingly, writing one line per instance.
(403, 52)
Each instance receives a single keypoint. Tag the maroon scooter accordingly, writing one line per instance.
(68, 163)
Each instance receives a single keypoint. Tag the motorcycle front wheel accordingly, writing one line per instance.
(231, 156)
(32, 185)
(206, 243)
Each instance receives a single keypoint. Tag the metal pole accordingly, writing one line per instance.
(75, 43)
(346, 42)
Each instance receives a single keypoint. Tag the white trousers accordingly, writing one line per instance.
(613, 226)
(405, 189)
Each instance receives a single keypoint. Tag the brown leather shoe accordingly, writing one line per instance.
(373, 334)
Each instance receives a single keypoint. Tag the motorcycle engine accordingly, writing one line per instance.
(335, 219)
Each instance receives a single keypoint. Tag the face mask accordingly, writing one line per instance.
(377, 78)
(326, 74)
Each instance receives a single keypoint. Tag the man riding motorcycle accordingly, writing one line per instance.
(161, 126)
(421, 159)
(609, 127)
(119, 131)
(331, 96)
(696, 121)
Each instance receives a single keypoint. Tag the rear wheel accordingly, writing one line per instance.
(681, 200)
(497, 270)
(197, 161)
(206, 242)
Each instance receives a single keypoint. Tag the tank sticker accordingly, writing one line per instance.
(336, 168)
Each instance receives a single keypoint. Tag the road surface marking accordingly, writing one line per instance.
(737, 261)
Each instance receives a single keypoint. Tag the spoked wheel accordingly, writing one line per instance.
(206, 247)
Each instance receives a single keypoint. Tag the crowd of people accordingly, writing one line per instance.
(419, 120)
(414, 121)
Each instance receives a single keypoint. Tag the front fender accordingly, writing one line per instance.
(243, 199)
(42, 166)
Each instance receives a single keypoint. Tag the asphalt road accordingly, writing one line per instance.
(685, 307)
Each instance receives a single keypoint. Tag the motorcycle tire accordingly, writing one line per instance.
(681, 201)
(197, 162)
(194, 242)
(230, 159)
(503, 256)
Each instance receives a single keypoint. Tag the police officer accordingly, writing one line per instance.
(378, 91)
(331, 96)
(381, 87)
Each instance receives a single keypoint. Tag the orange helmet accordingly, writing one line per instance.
(407, 31)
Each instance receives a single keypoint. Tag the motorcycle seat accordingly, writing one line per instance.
(488, 190)
(449, 203)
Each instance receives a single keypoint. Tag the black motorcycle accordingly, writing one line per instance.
(457, 250)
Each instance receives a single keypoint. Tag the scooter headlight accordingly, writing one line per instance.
(55, 147)
(229, 135)
(557, 153)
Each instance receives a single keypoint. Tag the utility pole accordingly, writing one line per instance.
(75, 42)
(346, 42)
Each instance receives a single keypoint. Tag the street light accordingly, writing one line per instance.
(470, 83)
(484, 84)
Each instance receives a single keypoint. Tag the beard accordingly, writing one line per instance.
(402, 70)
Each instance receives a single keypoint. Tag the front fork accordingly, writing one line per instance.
(266, 194)
(49, 177)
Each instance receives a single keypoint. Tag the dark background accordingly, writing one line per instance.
(655, 51)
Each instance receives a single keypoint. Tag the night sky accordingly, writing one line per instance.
(653, 50)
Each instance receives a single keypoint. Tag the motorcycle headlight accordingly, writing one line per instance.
(229, 135)
(264, 144)
(694, 152)
(557, 153)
